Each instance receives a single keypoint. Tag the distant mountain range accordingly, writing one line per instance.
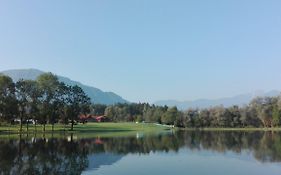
(100, 97)
(239, 100)
(97, 95)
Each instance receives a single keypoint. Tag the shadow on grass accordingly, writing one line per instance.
(68, 130)
(76, 135)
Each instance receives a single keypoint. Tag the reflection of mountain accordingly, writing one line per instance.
(100, 159)
(239, 100)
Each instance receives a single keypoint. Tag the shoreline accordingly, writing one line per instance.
(230, 129)
(84, 128)
(122, 127)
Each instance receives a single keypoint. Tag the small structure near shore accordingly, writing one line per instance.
(92, 118)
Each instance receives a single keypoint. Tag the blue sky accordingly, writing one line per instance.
(148, 50)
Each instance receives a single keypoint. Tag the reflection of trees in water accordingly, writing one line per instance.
(266, 146)
(60, 156)
(42, 157)
(269, 149)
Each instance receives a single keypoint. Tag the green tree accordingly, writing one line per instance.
(62, 103)
(34, 94)
(110, 113)
(235, 116)
(22, 99)
(49, 86)
(217, 115)
(98, 109)
(204, 115)
(189, 118)
(170, 116)
(264, 108)
(78, 103)
(8, 105)
(27, 94)
(276, 116)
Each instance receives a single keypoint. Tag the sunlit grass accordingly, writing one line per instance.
(89, 130)
(88, 127)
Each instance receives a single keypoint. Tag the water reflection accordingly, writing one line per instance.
(71, 155)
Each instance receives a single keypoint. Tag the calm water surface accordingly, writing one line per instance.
(180, 153)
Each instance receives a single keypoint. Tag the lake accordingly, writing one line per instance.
(179, 153)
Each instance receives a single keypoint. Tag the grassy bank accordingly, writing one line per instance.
(113, 127)
(85, 128)
(91, 130)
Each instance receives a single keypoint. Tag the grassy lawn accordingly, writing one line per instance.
(86, 128)
(113, 127)
(110, 127)
(91, 130)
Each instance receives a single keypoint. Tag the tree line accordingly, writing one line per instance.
(260, 112)
(44, 100)
(47, 100)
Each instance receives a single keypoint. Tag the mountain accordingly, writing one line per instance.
(97, 95)
(239, 100)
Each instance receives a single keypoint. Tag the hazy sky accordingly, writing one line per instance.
(147, 50)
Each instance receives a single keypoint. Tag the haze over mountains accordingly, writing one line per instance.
(239, 100)
(97, 95)
(100, 97)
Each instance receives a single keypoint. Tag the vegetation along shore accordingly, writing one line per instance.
(47, 102)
